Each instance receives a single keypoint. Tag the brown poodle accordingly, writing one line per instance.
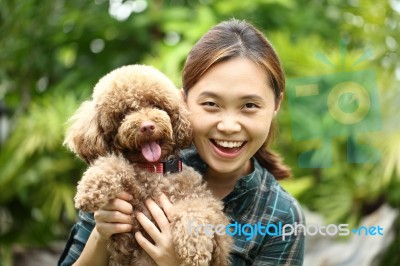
(130, 134)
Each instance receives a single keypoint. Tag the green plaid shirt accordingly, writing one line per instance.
(257, 199)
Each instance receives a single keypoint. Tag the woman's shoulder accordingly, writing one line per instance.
(264, 199)
(260, 204)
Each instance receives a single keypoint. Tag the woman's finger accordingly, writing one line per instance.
(124, 196)
(149, 227)
(118, 204)
(106, 216)
(150, 249)
(158, 215)
(166, 205)
(108, 229)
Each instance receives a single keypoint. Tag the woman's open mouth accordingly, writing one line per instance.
(226, 148)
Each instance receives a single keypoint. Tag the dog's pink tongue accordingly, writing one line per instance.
(151, 151)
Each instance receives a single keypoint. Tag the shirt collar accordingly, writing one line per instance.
(191, 158)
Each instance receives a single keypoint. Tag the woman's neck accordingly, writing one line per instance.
(221, 184)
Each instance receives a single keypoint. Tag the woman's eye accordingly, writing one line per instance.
(250, 105)
(209, 104)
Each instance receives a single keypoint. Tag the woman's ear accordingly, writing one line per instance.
(183, 95)
(278, 104)
(84, 136)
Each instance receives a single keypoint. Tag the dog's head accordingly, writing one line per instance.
(135, 111)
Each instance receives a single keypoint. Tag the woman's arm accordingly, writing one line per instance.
(95, 251)
(87, 244)
(113, 218)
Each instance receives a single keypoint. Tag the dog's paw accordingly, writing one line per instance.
(102, 181)
(90, 200)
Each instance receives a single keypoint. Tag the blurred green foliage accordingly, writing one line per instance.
(53, 52)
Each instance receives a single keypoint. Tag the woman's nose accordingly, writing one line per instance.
(229, 124)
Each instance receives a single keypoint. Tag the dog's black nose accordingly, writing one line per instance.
(147, 127)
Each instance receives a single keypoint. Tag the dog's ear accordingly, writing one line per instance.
(182, 127)
(84, 137)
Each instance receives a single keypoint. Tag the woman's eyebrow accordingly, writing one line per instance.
(253, 97)
(209, 94)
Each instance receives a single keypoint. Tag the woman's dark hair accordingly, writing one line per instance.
(237, 38)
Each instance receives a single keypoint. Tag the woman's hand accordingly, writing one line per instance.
(115, 217)
(162, 252)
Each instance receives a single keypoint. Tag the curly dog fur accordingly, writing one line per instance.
(135, 117)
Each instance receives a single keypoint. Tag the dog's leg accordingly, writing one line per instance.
(141, 258)
(222, 241)
(102, 181)
(222, 248)
(194, 222)
(121, 248)
(124, 251)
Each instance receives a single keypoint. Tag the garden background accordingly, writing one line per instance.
(53, 52)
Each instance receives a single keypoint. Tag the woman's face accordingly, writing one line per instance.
(231, 107)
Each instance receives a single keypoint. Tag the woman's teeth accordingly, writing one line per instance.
(229, 144)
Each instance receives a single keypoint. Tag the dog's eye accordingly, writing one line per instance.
(127, 112)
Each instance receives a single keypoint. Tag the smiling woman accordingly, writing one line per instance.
(233, 84)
